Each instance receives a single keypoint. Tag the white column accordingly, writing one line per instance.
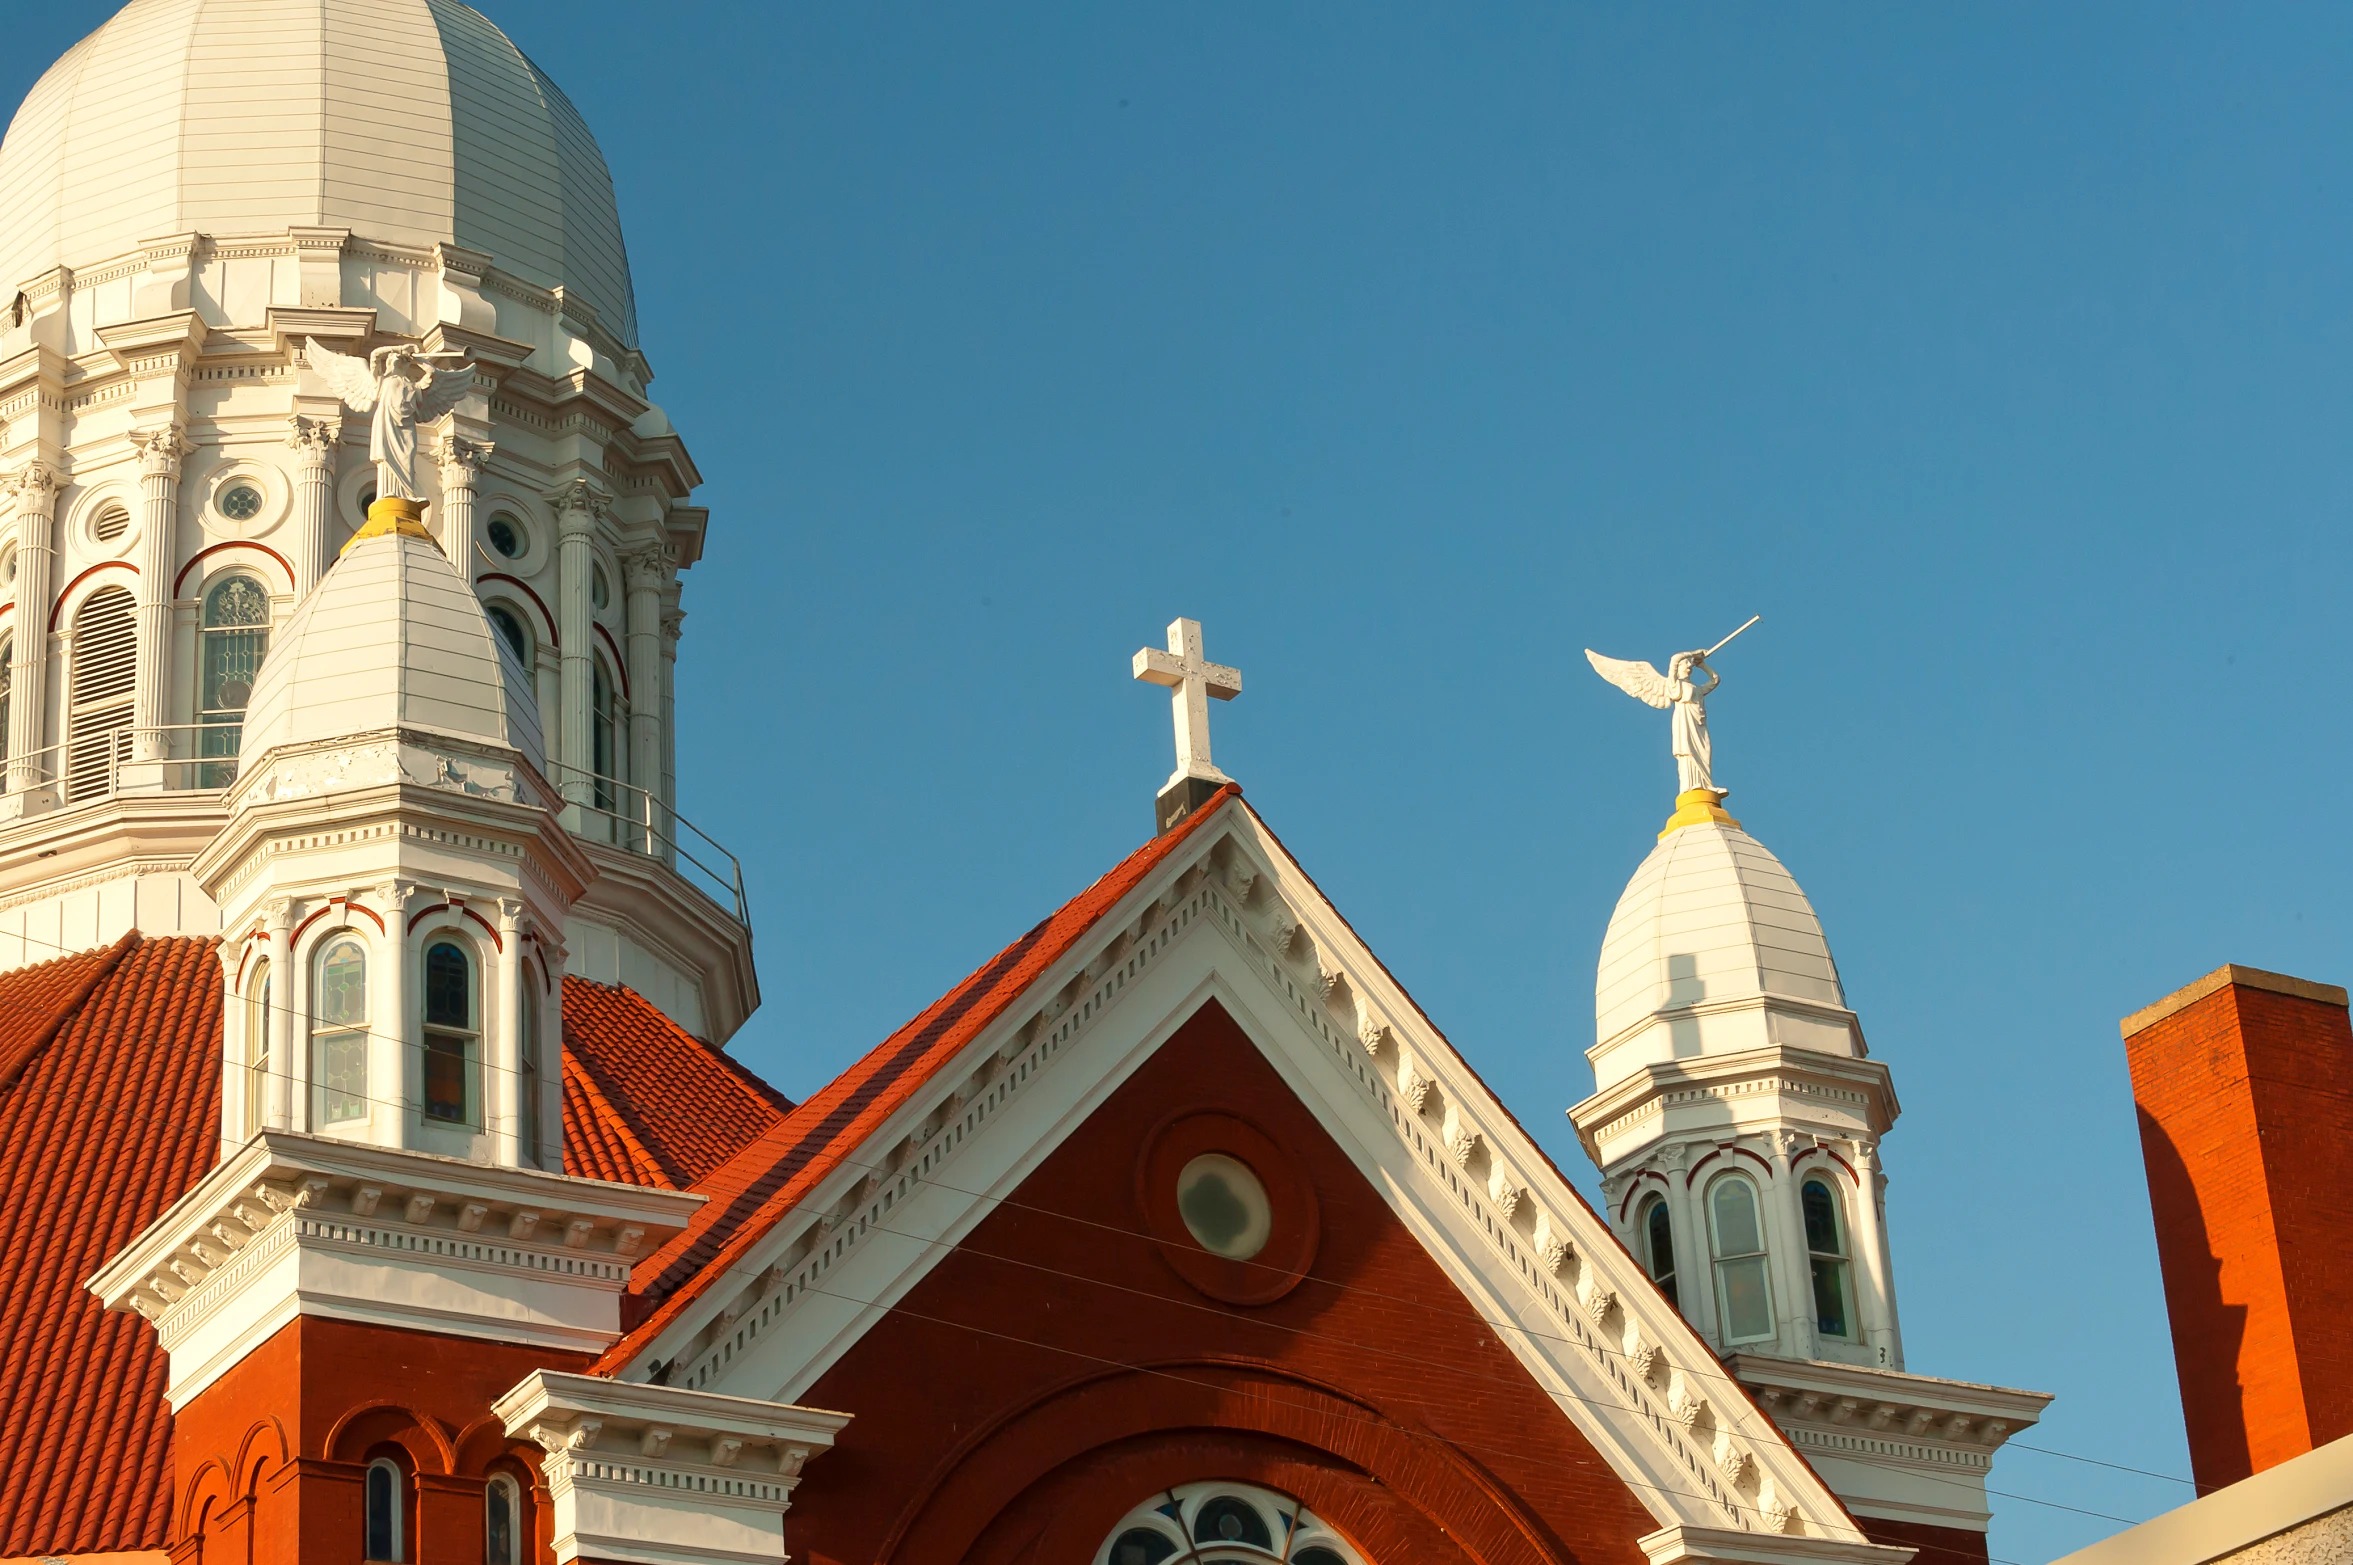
(646, 572)
(160, 451)
(461, 473)
(504, 1059)
(28, 710)
(396, 1065)
(278, 1106)
(1694, 1290)
(1873, 1260)
(314, 441)
(673, 625)
(577, 507)
(1789, 1245)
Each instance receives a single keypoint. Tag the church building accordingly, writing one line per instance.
(375, 1185)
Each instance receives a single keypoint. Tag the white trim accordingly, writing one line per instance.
(1231, 918)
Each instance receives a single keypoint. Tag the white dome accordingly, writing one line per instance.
(406, 121)
(392, 637)
(1710, 933)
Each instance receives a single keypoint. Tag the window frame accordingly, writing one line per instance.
(527, 1080)
(497, 1483)
(1649, 1212)
(1760, 1259)
(394, 1516)
(322, 1033)
(257, 1048)
(608, 728)
(221, 728)
(1840, 1260)
(470, 1120)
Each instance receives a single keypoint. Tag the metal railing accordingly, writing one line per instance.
(176, 757)
(187, 757)
(623, 815)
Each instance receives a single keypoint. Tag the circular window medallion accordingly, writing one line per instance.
(1232, 1212)
(240, 502)
(1223, 1521)
(505, 536)
(1224, 1206)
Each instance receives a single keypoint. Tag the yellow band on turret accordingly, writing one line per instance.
(393, 514)
(1694, 806)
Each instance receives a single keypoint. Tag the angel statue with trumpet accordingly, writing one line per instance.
(1680, 689)
(381, 384)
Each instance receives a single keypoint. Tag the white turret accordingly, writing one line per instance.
(392, 877)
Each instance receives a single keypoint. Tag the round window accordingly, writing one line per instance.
(111, 524)
(1224, 1206)
(240, 502)
(599, 588)
(367, 498)
(505, 535)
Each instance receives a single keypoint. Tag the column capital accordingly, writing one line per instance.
(160, 450)
(314, 440)
(33, 486)
(578, 503)
(462, 460)
(279, 915)
(648, 569)
(1786, 1144)
(673, 624)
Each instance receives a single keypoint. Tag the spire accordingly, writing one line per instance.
(1192, 680)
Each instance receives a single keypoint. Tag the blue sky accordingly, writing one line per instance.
(1996, 354)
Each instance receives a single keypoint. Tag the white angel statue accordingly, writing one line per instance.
(381, 384)
(1676, 688)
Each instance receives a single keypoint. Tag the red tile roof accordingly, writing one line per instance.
(109, 1112)
(761, 1185)
(652, 1105)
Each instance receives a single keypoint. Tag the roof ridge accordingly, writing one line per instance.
(108, 960)
(765, 1181)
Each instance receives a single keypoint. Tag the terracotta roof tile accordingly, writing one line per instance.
(109, 1112)
(660, 1102)
(757, 1188)
(109, 1116)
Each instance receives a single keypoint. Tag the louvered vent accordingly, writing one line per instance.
(112, 523)
(105, 657)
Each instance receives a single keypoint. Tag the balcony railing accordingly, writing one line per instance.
(189, 757)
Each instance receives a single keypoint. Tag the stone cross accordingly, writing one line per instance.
(1192, 679)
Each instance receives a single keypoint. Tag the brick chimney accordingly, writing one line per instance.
(2244, 1083)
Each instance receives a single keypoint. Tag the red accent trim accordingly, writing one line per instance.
(245, 957)
(333, 903)
(198, 558)
(58, 607)
(9, 607)
(1854, 1177)
(1752, 1157)
(496, 943)
(546, 619)
(620, 667)
(1635, 1189)
(440, 907)
(1692, 1172)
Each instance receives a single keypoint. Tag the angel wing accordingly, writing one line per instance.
(348, 377)
(443, 390)
(1638, 680)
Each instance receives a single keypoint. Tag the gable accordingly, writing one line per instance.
(1056, 1366)
(837, 1242)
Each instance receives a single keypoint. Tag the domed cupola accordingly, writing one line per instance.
(393, 874)
(1713, 949)
(393, 641)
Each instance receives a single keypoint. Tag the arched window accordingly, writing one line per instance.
(7, 687)
(453, 1040)
(1736, 1237)
(502, 1514)
(1222, 1522)
(105, 654)
(509, 626)
(236, 633)
(527, 1066)
(257, 1046)
(1656, 1229)
(1826, 1248)
(339, 1033)
(385, 1491)
(606, 722)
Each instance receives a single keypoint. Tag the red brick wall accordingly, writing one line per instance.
(2246, 1113)
(268, 1460)
(1934, 1545)
(1389, 1408)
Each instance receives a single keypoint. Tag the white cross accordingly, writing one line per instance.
(1192, 679)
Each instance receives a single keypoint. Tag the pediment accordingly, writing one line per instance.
(1231, 919)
